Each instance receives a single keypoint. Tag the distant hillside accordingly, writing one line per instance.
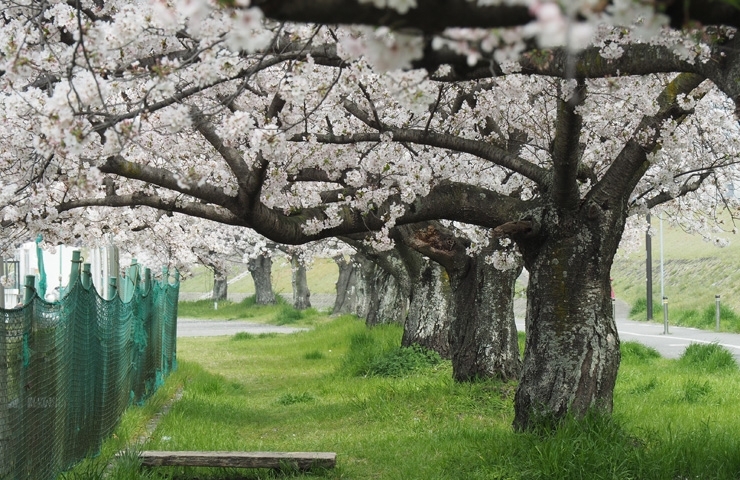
(695, 271)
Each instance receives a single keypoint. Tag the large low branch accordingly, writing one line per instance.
(451, 201)
(637, 59)
(437, 242)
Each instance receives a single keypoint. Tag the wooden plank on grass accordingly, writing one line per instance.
(300, 460)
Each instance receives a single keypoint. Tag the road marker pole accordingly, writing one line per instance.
(716, 311)
(665, 315)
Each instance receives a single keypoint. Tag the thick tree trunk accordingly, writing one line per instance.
(220, 286)
(261, 270)
(572, 348)
(374, 285)
(483, 335)
(301, 293)
(351, 297)
(482, 332)
(428, 320)
(386, 302)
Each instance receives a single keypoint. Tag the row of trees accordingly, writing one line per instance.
(484, 136)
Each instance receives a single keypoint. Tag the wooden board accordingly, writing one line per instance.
(300, 460)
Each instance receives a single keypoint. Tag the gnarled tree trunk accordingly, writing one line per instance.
(482, 332)
(350, 287)
(220, 286)
(386, 301)
(261, 270)
(428, 320)
(483, 335)
(572, 348)
(301, 293)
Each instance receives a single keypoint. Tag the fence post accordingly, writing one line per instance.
(716, 311)
(147, 279)
(6, 433)
(2, 287)
(30, 290)
(86, 276)
(113, 287)
(74, 273)
(665, 315)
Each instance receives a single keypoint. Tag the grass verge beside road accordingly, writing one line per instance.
(279, 314)
(390, 413)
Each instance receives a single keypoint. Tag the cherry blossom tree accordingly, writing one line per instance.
(546, 126)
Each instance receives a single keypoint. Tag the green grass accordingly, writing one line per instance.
(673, 419)
(279, 314)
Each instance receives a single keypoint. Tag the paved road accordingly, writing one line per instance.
(190, 327)
(670, 345)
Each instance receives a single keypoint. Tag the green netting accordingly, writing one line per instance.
(68, 370)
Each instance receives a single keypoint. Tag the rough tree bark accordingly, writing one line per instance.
(350, 284)
(220, 286)
(483, 338)
(386, 300)
(261, 270)
(428, 321)
(369, 291)
(572, 347)
(301, 293)
(408, 289)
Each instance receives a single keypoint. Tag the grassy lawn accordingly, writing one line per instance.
(391, 413)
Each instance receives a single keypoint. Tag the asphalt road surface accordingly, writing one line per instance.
(191, 327)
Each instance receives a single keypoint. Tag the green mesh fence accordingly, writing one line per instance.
(68, 370)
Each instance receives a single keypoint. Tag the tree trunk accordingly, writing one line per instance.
(386, 302)
(2, 287)
(220, 286)
(261, 270)
(428, 320)
(350, 287)
(301, 294)
(483, 341)
(483, 336)
(572, 348)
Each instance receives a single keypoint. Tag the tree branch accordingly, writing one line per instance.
(482, 150)
(429, 16)
(164, 178)
(567, 150)
(193, 209)
(631, 163)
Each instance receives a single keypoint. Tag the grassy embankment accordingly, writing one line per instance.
(391, 413)
(695, 272)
